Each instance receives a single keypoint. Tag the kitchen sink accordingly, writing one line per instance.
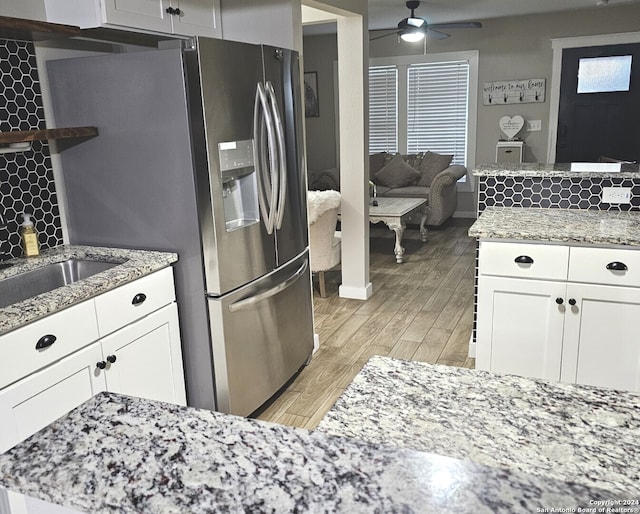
(47, 278)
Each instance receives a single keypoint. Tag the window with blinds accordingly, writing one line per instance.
(437, 109)
(383, 109)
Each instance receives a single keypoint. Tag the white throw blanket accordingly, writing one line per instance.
(320, 201)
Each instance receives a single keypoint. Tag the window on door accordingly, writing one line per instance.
(424, 103)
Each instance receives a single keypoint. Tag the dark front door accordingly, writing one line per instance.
(599, 117)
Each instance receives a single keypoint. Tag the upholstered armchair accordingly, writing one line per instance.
(324, 241)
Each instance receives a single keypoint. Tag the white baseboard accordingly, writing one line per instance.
(356, 293)
(316, 343)
(472, 348)
(465, 214)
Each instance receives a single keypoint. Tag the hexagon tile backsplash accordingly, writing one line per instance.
(26, 177)
(553, 192)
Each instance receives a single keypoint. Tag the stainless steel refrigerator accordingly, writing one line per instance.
(200, 152)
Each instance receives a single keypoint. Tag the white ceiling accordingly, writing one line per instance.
(385, 14)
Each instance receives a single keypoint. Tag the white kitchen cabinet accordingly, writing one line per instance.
(601, 344)
(144, 358)
(577, 325)
(180, 17)
(522, 324)
(138, 354)
(39, 399)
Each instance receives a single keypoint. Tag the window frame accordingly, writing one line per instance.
(402, 63)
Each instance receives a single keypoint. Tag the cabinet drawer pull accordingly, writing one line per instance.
(45, 341)
(617, 266)
(101, 364)
(559, 301)
(523, 259)
(138, 299)
(170, 10)
(572, 301)
(111, 359)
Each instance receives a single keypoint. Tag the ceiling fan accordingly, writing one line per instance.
(413, 28)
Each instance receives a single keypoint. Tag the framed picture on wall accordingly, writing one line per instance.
(311, 105)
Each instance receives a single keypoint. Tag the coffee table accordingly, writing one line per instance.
(393, 213)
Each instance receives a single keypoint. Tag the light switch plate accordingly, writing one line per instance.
(534, 125)
(616, 194)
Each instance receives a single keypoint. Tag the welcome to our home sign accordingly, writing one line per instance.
(503, 92)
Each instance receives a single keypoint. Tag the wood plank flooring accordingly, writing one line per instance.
(420, 310)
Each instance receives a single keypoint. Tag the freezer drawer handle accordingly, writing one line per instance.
(617, 266)
(252, 300)
(138, 299)
(45, 341)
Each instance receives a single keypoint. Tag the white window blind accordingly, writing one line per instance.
(383, 109)
(437, 109)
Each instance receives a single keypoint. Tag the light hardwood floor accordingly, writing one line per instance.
(420, 310)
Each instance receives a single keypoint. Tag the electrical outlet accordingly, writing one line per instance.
(616, 194)
(534, 125)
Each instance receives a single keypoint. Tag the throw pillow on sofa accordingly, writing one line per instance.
(397, 173)
(432, 164)
(376, 162)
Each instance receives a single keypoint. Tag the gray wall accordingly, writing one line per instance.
(320, 53)
(510, 48)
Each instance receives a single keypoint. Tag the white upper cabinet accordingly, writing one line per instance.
(180, 17)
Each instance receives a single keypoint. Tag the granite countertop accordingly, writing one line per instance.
(566, 432)
(559, 225)
(577, 170)
(133, 264)
(121, 454)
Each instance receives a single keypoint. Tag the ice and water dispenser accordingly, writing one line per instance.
(239, 184)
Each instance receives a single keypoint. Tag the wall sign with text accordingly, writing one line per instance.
(513, 91)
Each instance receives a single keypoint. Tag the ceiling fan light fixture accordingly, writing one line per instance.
(412, 35)
(415, 22)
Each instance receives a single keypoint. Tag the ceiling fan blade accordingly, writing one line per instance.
(383, 35)
(436, 34)
(458, 25)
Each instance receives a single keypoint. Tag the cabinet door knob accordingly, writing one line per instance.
(617, 266)
(138, 299)
(559, 301)
(101, 364)
(177, 11)
(523, 259)
(111, 358)
(170, 10)
(572, 301)
(45, 341)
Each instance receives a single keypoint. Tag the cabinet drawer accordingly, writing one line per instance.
(597, 266)
(539, 261)
(72, 329)
(132, 301)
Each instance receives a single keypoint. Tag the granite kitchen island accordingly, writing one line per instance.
(121, 454)
(564, 432)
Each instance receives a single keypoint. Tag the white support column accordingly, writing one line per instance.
(353, 58)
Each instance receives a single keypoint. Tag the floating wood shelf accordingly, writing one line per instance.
(39, 135)
(31, 30)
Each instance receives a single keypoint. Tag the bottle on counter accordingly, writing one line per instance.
(29, 237)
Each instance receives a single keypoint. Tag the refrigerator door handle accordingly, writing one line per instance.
(258, 147)
(281, 153)
(266, 158)
(253, 300)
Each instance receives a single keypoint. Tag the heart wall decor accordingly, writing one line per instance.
(511, 126)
